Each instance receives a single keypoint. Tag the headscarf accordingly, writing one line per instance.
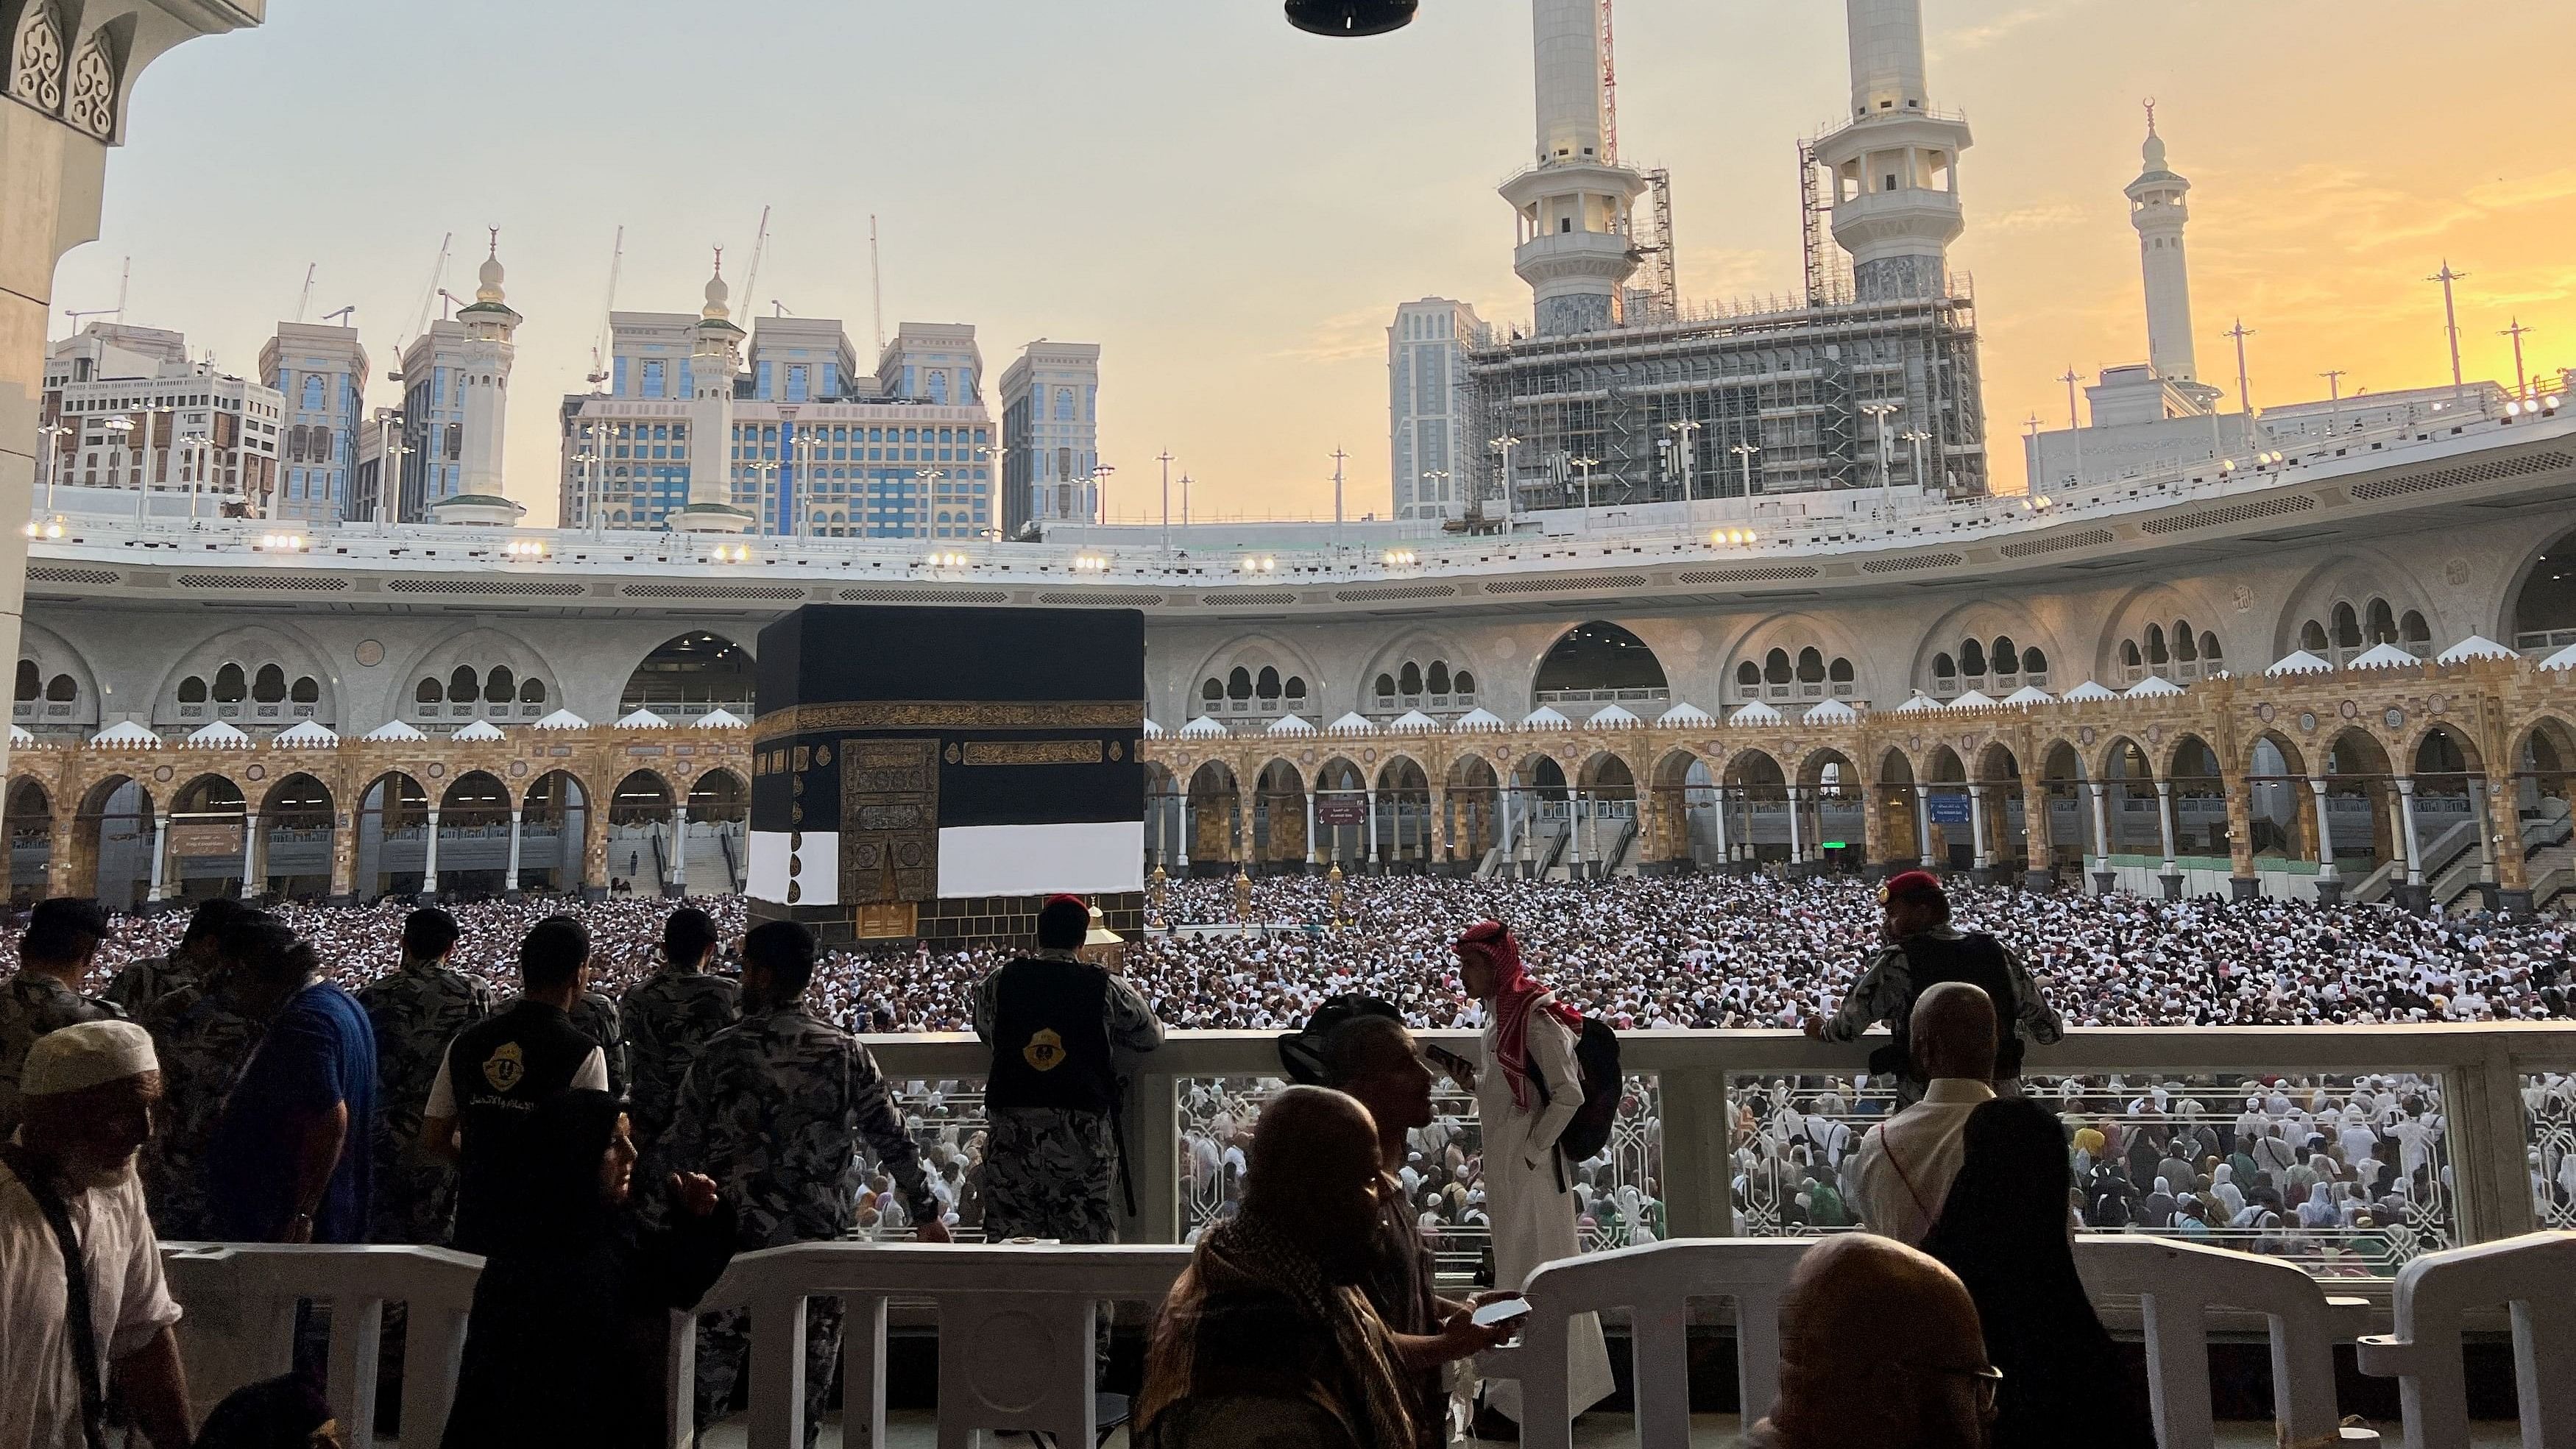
(1514, 996)
(573, 1130)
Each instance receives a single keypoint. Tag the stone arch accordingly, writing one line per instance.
(1279, 839)
(428, 677)
(113, 844)
(66, 694)
(1678, 827)
(30, 818)
(2142, 625)
(1436, 656)
(1792, 635)
(1341, 791)
(558, 825)
(2280, 811)
(688, 675)
(1598, 663)
(2063, 794)
(2544, 766)
(1216, 819)
(2336, 599)
(1404, 824)
(1472, 800)
(1249, 655)
(640, 811)
(391, 820)
(2535, 607)
(2356, 767)
(266, 653)
(298, 831)
(1998, 631)
(208, 814)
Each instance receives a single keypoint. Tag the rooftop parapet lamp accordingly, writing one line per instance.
(1351, 17)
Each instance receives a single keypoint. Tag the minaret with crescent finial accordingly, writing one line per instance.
(2157, 210)
(482, 376)
(715, 356)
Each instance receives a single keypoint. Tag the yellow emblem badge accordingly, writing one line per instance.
(1045, 1051)
(505, 1067)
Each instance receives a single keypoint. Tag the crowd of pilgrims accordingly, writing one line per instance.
(2343, 1173)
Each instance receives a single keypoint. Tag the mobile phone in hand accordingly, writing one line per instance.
(1501, 1310)
(1459, 1068)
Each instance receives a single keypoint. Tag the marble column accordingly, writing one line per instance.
(679, 884)
(429, 861)
(160, 857)
(2172, 873)
(2329, 880)
(510, 875)
(2103, 875)
(250, 881)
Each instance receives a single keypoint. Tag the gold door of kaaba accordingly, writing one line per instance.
(889, 823)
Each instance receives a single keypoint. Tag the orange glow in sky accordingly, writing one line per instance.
(1234, 210)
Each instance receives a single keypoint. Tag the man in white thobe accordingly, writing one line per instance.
(1906, 1163)
(89, 1091)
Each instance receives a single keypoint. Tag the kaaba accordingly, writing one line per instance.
(935, 773)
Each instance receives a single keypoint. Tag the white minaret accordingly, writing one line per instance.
(2156, 209)
(483, 369)
(715, 356)
(1574, 202)
(1896, 164)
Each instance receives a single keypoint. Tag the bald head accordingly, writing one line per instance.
(1954, 1032)
(1836, 1350)
(1314, 1171)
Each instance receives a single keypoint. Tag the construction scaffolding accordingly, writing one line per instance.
(1651, 240)
(1777, 395)
(1828, 267)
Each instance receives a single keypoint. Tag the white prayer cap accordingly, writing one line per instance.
(86, 1055)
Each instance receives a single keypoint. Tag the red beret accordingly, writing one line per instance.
(1077, 902)
(1912, 885)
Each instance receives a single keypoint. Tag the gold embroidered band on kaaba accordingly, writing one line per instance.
(951, 714)
(1026, 752)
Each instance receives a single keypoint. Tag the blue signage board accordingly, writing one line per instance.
(1950, 809)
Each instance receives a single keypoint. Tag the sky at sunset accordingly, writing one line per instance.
(1233, 210)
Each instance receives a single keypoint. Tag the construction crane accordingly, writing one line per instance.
(343, 312)
(759, 249)
(599, 350)
(429, 298)
(304, 300)
(124, 279)
(876, 282)
(1609, 89)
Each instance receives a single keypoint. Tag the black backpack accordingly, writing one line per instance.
(1596, 1061)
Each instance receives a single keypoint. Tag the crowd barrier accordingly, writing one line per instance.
(1016, 1330)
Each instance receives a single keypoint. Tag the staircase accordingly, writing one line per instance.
(733, 863)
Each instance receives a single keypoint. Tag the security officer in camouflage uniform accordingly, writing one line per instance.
(668, 1018)
(776, 1110)
(1055, 1023)
(416, 1012)
(596, 1015)
(203, 1036)
(54, 956)
(144, 982)
(1923, 951)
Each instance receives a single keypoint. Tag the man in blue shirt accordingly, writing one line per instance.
(292, 1159)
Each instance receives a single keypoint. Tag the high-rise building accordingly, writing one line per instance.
(1426, 355)
(808, 359)
(932, 362)
(1051, 425)
(117, 417)
(321, 372)
(1874, 386)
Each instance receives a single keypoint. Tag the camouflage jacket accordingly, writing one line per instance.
(203, 1041)
(416, 1012)
(669, 1017)
(30, 1006)
(595, 1016)
(776, 1110)
(144, 982)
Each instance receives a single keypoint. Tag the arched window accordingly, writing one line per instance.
(192, 690)
(269, 685)
(1211, 691)
(2156, 652)
(61, 690)
(1438, 678)
(500, 684)
(307, 690)
(2381, 626)
(2129, 655)
(1748, 675)
(2005, 658)
(2347, 627)
(2185, 644)
(1775, 667)
(1238, 683)
(463, 687)
(31, 683)
(1386, 686)
(229, 685)
(532, 692)
(428, 692)
(1811, 666)
(1972, 658)
(1944, 667)
(1266, 684)
(2312, 637)
(1463, 683)
(2034, 663)
(2413, 630)
(1840, 671)
(1296, 687)
(2209, 651)
(1409, 679)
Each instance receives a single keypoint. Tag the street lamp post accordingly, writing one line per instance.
(1437, 478)
(389, 487)
(765, 470)
(53, 434)
(1165, 458)
(199, 444)
(1744, 459)
(121, 429)
(1686, 440)
(1585, 466)
(1878, 413)
(994, 454)
(1504, 446)
(929, 490)
(585, 462)
(1917, 437)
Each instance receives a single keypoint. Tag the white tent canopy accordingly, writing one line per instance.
(562, 719)
(1832, 711)
(307, 735)
(217, 736)
(1756, 713)
(2030, 694)
(1545, 717)
(393, 729)
(2299, 661)
(1613, 717)
(2383, 655)
(1480, 718)
(482, 731)
(2476, 646)
(1202, 728)
(643, 719)
(1685, 716)
(1918, 703)
(1973, 699)
(2152, 686)
(2090, 690)
(1353, 723)
(720, 719)
(1289, 724)
(125, 732)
